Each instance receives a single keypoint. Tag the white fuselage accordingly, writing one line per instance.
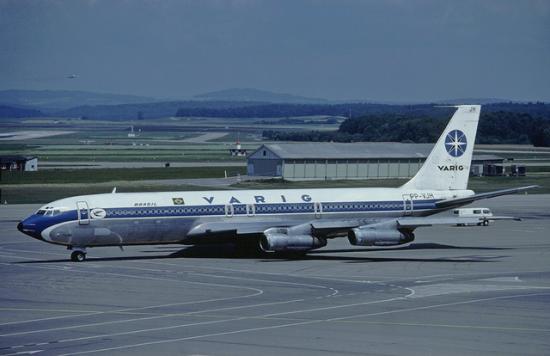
(189, 217)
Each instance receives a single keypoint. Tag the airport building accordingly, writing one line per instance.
(368, 160)
(237, 151)
(18, 163)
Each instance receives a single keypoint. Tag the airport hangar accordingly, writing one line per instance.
(366, 160)
(18, 163)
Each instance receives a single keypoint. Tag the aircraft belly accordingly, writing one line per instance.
(107, 232)
(115, 232)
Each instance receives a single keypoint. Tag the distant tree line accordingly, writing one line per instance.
(259, 110)
(298, 121)
(262, 110)
(16, 112)
(296, 110)
(266, 110)
(494, 127)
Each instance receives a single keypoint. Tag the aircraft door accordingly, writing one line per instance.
(83, 212)
(229, 210)
(407, 205)
(250, 209)
(318, 207)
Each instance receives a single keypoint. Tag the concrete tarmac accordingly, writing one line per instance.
(454, 291)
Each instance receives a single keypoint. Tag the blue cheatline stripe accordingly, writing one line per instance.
(260, 209)
(43, 222)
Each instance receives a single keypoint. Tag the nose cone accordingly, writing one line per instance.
(29, 228)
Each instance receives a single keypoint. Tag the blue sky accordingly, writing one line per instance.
(396, 50)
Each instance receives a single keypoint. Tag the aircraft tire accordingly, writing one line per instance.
(78, 256)
(485, 222)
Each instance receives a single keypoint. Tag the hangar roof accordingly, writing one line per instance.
(486, 158)
(14, 159)
(359, 150)
(328, 150)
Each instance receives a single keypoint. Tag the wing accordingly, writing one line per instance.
(276, 236)
(224, 228)
(450, 203)
(329, 228)
(326, 228)
(414, 222)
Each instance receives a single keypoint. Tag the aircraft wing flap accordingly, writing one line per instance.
(211, 228)
(503, 218)
(257, 228)
(461, 201)
(413, 222)
(333, 226)
(342, 223)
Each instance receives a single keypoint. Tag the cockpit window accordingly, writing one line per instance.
(50, 211)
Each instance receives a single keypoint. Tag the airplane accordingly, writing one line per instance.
(277, 220)
(71, 76)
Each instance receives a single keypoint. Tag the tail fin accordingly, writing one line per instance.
(448, 165)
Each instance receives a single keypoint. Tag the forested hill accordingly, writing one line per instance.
(11, 111)
(251, 109)
(494, 127)
(270, 110)
(148, 110)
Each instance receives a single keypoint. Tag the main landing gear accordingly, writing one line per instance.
(78, 255)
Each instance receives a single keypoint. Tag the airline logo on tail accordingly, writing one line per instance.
(456, 143)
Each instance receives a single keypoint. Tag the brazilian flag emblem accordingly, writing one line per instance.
(178, 201)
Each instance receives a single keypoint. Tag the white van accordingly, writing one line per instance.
(474, 213)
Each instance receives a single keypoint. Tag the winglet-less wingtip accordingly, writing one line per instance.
(462, 201)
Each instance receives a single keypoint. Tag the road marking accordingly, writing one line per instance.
(448, 326)
(190, 338)
(182, 314)
(328, 278)
(334, 291)
(412, 291)
(128, 346)
(471, 301)
(256, 293)
(173, 315)
(24, 352)
(338, 306)
(49, 310)
(164, 327)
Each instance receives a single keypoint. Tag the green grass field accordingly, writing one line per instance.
(25, 194)
(35, 193)
(478, 184)
(158, 151)
(57, 176)
(158, 140)
(98, 141)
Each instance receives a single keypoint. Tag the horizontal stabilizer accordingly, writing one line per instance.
(449, 203)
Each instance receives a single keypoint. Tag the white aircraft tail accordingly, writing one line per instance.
(448, 165)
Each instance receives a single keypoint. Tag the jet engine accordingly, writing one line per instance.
(379, 235)
(289, 239)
